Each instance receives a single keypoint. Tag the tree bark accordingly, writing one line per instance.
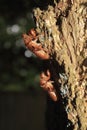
(62, 31)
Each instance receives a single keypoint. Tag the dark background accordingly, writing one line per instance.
(22, 101)
(17, 71)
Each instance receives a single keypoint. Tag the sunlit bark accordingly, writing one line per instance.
(62, 30)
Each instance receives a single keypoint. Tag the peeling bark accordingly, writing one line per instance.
(62, 30)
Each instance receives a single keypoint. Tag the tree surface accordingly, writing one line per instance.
(62, 31)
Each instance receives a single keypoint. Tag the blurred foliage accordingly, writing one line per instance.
(17, 72)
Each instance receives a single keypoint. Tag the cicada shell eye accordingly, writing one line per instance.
(33, 32)
(42, 75)
(48, 73)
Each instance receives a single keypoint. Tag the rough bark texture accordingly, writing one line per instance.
(62, 30)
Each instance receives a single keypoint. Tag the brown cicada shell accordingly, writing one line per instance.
(30, 41)
(47, 85)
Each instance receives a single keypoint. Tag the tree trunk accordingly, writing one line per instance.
(62, 31)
